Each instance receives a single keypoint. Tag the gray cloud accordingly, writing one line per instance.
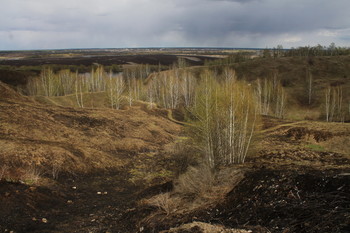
(141, 23)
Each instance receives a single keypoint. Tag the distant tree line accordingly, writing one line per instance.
(307, 51)
(231, 59)
(279, 51)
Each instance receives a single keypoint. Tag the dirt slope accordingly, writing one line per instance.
(76, 140)
(296, 180)
(75, 170)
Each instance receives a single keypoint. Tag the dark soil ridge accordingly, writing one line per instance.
(83, 199)
(277, 201)
(96, 202)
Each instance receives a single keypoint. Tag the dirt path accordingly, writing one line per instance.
(171, 118)
(272, 129)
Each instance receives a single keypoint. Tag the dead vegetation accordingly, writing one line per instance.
(203, 228)
(72, 140)
(294, 171)
(198, 188)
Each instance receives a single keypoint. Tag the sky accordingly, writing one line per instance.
(60, 24)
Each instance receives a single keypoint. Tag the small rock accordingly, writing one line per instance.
(99, 193)
(74, 187)
(70, 202)
(44, 220)
(105, 193)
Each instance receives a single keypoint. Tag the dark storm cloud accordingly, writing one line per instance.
(261, 17)
(135, 23)
(240, 1)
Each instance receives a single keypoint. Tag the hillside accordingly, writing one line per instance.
(297, 180)
(96, 169)
(293, 69)
(294, 73)
(51, 147)
(77, 140)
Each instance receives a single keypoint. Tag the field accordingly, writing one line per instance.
(75, 162)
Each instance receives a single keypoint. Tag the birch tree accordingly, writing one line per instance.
(97, 79)
(115, 89)
(309, 86)
(335, 109)
(80, 88)
(271, 97)
(49, 82)
(225, 119)
(188, 84)
(66, 82)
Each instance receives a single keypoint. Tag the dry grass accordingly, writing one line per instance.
(164, 202)
(3, 170)
(197, 188)
(56, 169)
(297, 113)
(321, 145)
(78, 139)
(29, 175)
(32, 175)
(91, 100)
(204, 228)
(196, 181)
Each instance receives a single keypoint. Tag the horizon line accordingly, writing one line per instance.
(151, 47)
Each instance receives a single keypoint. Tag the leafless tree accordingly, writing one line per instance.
(115, 89)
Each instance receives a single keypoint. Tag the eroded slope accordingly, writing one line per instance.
(76, 140)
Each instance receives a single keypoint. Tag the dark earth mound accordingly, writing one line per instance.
(278, 201)
(98, 202)
(85, 203)
(309, 201)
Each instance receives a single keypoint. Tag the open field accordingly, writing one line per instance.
(106, 57)
(65, 167)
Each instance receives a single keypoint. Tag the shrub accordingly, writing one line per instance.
(195, 181)
(164, 202)
(225, 116)
(31, 175)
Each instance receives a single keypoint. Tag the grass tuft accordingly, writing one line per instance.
(315, 147)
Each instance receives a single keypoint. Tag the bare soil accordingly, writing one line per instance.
(288, 185)
(78, 170)
(296, 179)
(269, 200)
